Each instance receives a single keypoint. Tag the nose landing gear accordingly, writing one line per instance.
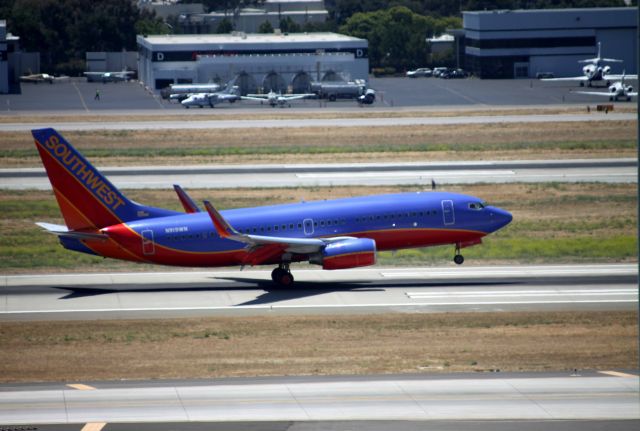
(458, 258)
(282, 276)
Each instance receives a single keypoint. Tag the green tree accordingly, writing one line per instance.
(287, 25)
(149, 23)
(265, 27)
(224, 26)
(397, 36)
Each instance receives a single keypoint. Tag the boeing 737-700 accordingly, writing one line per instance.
(336, 234)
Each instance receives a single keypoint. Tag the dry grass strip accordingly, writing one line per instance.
(364, 144)
(316, 345)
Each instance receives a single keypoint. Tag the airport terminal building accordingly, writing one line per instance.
(523, 43)
(258, 62)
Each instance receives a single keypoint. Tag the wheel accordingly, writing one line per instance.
(282, 278)
(458, 259)
(275, 274)
(286, 279)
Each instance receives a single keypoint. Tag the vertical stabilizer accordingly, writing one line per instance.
(86, 198)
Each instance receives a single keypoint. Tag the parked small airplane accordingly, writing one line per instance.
(42, 77)
(337, 234)
(123, 75)
(617, 90)
(275, 99)
(594, 71)
(211, 99)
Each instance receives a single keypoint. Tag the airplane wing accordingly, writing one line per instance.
(612, 60)
(189, 205)
(571, 78)
(255, 97)
(291, 245)
(226, 96)
(619, 77)
(296, 96)
(594, 93)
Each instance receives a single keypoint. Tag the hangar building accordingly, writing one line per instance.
(258, 62)
(522, 43)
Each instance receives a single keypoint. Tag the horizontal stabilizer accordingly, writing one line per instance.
(61, 230)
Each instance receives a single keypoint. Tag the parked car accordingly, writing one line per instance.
(545, 75)
(437, 71)
(453, 74)
(423, 71)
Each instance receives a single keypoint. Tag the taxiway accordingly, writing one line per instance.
(509, 397)
(369, 174)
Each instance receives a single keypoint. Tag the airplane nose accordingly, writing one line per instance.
(500, 217)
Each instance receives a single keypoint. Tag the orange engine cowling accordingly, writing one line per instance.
(349, 253)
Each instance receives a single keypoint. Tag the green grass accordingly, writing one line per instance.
(574, 225)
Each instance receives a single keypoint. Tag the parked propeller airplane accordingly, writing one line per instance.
(337, 234)
(211, 99)
(594, 71)
(275, 99)
(105, 77)
(42, 77)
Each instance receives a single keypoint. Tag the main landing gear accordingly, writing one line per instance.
(458, 258)
(282, 276)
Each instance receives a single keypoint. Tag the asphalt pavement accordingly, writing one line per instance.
(77, 95)
(608, 396)
(363, 290)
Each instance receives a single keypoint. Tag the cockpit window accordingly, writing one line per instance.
(477, 205)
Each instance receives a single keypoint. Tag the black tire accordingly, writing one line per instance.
(275, 274)
(458, 259)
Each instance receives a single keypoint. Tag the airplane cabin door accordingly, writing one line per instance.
(308, 226)
(148, 247)
(448, 215)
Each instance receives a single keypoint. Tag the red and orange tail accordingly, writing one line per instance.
(86, 198)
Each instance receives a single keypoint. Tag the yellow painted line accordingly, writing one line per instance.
(617, 374)
(81, 387)
(94, 426)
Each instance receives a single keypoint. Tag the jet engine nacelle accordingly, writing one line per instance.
(348, 253)
(606, 70)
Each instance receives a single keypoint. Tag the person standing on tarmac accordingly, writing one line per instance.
(97, 96)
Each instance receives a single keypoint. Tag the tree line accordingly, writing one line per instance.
(64, 30)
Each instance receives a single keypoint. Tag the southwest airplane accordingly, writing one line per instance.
(337, 234)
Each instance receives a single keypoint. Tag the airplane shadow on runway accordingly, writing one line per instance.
(273, 294)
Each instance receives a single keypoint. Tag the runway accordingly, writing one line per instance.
(367, 290)
(182, 123)
(312, 175)
(465, 397)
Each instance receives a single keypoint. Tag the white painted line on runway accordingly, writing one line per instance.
(516, 293)
(400, 174)
(318, 306)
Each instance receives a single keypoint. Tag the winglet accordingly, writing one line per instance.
(224, 229)
(186, 201)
